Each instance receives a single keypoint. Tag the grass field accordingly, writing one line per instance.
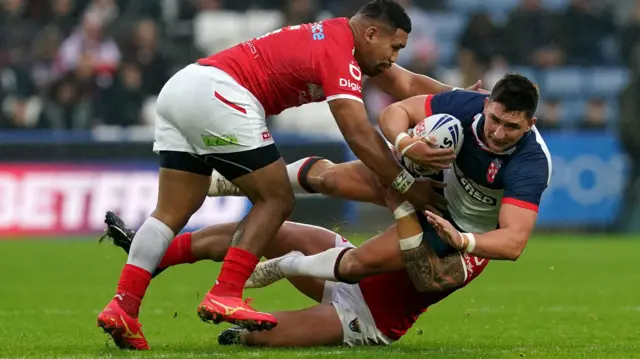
(567, 297)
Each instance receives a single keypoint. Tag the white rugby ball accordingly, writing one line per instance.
(448, 133)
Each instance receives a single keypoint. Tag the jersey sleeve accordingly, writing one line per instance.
(462, 104)
(526, 178)
(341, 78)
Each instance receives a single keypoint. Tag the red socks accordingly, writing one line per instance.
(236, 269)
(179, 252)
(131, 288)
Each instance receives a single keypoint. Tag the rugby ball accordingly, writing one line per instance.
(448, 133)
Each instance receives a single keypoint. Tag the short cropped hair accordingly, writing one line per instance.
(389, 12)
(517, 93)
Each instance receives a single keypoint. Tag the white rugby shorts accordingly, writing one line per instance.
(203, 110)
(358, 325)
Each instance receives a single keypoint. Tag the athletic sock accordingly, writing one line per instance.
(131, 288)
(236, 269)
(179, 252)
(322, 265)
(148, 247)
(221, 187)
(298, 171)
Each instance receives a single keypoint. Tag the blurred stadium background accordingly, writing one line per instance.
(78, 82)
(79, 78)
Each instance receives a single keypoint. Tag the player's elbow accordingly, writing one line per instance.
(516, 249)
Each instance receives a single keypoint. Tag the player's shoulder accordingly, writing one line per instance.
(533, 155)
(470, 98)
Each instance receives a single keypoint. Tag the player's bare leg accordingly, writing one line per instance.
(350, 180)
(272, 197)
(180, 194)
(314, 326)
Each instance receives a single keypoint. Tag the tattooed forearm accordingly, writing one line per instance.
(430, 273)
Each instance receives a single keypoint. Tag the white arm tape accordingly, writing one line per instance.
(407, 148)
(457, 89)
(411, 242)
(472, 242)
(403, 210)
(399, 138)
(403, 181)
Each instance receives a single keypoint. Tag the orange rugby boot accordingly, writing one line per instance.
(124, 329)
(233, 310)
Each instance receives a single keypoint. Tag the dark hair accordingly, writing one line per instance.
(389, 12)
(516, 93)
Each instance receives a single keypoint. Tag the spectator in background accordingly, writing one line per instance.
(61, 17)
(629, 131)
(595, 115)
(66, 107)
(43, 56)
(122, 103)
(16, 31)
(479, 48)
(531, 36)
(142, 49)
(550, 117)
(89, 39)
(584, 28)
(300, 12)
(630, 38)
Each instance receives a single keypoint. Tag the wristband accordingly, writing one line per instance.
(403, 181)
(411, 242)
(457, 89)
(407, 148)
(403, 210)
(472, 242)
(399, 138)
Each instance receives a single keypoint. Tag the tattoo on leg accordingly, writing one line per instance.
(430, 273)
(238, 233)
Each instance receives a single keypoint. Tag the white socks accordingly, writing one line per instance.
(221, 186)
(320, 265)
(149, 244)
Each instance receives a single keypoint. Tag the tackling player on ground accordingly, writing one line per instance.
(212, 115)
(493, 188)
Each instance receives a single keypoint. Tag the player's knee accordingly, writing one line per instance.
(330, 182)
(355, 265)
(280, 200)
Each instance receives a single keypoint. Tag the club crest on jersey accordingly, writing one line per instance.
(494, 167)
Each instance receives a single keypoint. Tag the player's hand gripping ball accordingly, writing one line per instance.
(447, 132)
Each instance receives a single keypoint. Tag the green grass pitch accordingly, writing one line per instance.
(567, 297)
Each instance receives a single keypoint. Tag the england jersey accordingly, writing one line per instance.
(295, 65)
(480, 180)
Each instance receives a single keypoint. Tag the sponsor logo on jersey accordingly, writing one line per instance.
(355, 72)
(317, 31)
(494, 167)
(354, 325)
(220, 140)
(266, 136)
(474, 192)
(353, 86)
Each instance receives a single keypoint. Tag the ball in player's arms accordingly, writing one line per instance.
(440, 130)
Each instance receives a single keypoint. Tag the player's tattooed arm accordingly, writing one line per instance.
(427, 271)
(430, 273)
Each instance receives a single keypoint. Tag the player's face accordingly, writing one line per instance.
(380, 49)
(502, 129)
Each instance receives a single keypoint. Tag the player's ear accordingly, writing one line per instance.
(372, 33)
(531, 122)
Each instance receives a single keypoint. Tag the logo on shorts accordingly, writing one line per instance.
(220, 140)
(494, 167)
(266, 136)
(355, 326)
